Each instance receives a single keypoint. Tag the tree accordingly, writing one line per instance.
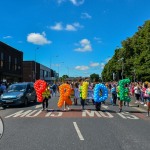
(135, 51)
(94, 77)
(64, 77)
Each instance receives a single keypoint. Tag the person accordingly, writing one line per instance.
(145, 95)
(66, 106)
(54, 87)
(148, 99)
(76, 93)
(127, 94)
(46, 96)
(81, 99)
(3, 87)
(114, 94)
(137, 92)
(118, 97)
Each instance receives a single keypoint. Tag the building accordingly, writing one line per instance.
(10, 64)
(29, 69)
(33, 71)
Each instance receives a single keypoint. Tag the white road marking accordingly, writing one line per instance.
(38, 106)
(104, 106)
(78, 131)
(127, 115)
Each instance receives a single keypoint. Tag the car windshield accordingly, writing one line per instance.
(17, 87)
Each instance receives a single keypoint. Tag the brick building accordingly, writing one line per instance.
(10, 64)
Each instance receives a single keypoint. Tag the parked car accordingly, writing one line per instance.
(19, 93)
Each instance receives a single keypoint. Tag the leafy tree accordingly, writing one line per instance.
(94, 77)
(135, 52)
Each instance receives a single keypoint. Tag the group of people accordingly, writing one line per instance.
(139, 91)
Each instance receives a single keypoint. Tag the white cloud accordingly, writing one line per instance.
(107, 59)
(77, 2)
(37, 38)
(7, 37)
(98, 39)
(82, 68)
(70, 27)
(92, 64)
(60, 1)
(77, 25)
(85, 46)
(85, 16)
(102, 65)
(57, 26)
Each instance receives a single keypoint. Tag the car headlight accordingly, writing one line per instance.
(20, 95)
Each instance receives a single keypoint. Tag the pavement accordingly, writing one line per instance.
(33, 129)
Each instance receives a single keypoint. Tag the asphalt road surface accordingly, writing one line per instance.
(30, 128)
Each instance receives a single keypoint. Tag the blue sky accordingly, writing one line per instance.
(74, 37)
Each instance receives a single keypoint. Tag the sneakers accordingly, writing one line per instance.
(145, 105)
(136, 102)
(142, 103)
(120, 110)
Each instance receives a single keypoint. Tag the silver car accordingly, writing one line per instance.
(19, 93)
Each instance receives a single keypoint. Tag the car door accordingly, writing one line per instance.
(33, 93)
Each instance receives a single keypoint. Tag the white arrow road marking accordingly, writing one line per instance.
(78, 131)
(38, 106)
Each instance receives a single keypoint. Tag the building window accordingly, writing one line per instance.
(15, 63)
(9, 63)
(2, 60)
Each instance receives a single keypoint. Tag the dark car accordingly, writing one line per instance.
(19, 93)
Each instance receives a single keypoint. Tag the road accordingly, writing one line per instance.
(30, 128)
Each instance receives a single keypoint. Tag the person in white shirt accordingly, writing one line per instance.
(137, 92)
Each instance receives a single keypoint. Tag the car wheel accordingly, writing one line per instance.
(26, 102)
(4, 107)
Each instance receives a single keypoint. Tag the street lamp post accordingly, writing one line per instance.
(58, 67)
(51, 65)
(122, 66)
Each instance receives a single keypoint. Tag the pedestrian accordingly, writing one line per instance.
(46, 96)
(81, 99)
(137, 92)
(54, 87)
(145, 95)
(148, 99)
(114, 94)
(118, 97)
(76, 93)
(127, 94)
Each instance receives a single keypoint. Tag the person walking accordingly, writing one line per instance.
(118, 97)
(148, 99)
(76, 93)
(81, 99)
(46, 96)
(114, 94)
(137, 92)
